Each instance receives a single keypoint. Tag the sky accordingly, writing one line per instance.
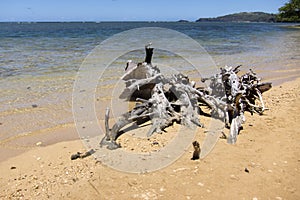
(128, 10)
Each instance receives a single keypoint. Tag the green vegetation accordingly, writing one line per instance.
(290, 12)
(242, 17)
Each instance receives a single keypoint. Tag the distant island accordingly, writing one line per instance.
(242, 17)
(182, 20)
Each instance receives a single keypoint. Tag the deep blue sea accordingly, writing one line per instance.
(39, 61)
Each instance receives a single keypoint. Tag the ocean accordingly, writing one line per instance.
(39, 63)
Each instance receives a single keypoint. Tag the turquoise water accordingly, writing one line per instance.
(45, 48)
(39, 61)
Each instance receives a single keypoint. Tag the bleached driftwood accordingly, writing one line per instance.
(241, 94)
(169, 100)
(164, 101)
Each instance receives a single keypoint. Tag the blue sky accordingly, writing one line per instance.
(128, 10)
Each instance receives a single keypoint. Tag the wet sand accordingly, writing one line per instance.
(264, 164)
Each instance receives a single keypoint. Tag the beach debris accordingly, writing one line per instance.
(234, 177)
(168, 100)
(223, 135)
(34, 105)
(247, 170)
(82, 155)
(38, 143)
(75, 156)
(200, 184)
(13, 167)
(237, 94)
(180, 169)
(162, 100)
(197, 150)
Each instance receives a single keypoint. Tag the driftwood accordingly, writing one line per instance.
(82, 155)
(241, 94)
(164, 101)
(197, 150)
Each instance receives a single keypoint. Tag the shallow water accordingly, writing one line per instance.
(39, 61)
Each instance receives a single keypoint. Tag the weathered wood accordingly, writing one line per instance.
(241, 94)
(107, 122)
(175, 99)
(149, 53)
(197, 150)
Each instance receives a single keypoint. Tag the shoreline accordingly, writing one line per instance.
(19, 144)
(67, 132)
(267, 147)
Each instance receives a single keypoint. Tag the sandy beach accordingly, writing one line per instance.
(150, 100)
(263, 164)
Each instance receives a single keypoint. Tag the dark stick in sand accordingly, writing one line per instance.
(197, 150)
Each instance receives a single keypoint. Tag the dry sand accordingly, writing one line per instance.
(268, 148)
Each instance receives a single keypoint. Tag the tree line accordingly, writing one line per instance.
(290, 12)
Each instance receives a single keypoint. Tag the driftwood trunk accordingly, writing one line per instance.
(164, 101)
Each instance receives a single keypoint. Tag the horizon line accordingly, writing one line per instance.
(99, 21)
(178, 21)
